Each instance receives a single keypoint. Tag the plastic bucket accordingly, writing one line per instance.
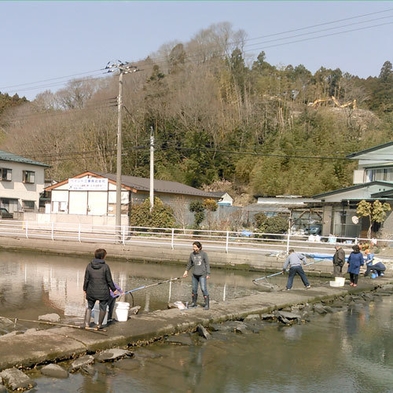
(340, 281)
(96, 314)
(121, 311)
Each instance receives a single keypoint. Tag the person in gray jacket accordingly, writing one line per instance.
(338, 261)
(295, 261)
(200, 262)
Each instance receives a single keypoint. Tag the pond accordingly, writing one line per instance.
(346, 351)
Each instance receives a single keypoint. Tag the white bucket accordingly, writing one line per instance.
(96, 314)
(340, 281)
(121, 310)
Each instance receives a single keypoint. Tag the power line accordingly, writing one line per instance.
(274, 43)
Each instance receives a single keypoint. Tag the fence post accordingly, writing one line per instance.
(173, 239)
(123, 236)
(26, 229)
(227, 242)
(53, 231)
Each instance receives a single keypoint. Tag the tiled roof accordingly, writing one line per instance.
(163, 186)
(6, 156)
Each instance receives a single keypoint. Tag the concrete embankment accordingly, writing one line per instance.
(61, 343)
(256, 259)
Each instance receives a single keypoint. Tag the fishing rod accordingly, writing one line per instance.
(59, 324)
(255, 280)
(151, 285)
(131, 291)
(263, 278)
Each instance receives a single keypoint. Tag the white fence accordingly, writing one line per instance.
(225, 241)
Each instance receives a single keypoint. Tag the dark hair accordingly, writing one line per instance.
(356, 248)
(291, 250)
(100, 253)
(198, 244)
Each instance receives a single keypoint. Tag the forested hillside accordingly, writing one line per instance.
(218, 117)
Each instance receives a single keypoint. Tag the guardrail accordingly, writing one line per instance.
(227, 241)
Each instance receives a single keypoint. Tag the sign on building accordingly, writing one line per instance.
(88, 184)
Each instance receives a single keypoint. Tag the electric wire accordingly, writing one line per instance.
(261, 45)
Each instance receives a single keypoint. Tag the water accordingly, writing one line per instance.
(33, 284)
(344, 352)
(350, 352)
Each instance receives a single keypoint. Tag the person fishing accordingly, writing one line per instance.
(338, 261)
(378, 268)
(295, 261)
(96, 285)
(200, 262)
(355, 260)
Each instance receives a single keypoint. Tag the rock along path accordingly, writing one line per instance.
(60, 343)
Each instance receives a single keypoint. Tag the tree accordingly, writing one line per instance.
(211, 206)
(386, 72)
(375, 211)
(275, 224)
(161, 215)
(198, 209)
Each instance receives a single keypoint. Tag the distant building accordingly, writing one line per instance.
(225, 198)
(22, 182)
(94, 194)
(372, 180)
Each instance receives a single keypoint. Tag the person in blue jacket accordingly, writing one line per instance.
(355, 260)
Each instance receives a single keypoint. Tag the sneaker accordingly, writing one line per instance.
(287, 289)
(308, 286)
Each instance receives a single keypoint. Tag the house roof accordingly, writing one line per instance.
(387, 148)
(6, 156)
(141, 184)
(163, 186)
(360, 191)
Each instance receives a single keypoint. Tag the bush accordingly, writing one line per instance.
(160, 217)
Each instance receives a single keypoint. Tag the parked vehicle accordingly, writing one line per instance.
(313, 229)
(5, 213)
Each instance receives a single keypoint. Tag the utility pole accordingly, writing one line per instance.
(151, 169)
(123, 68)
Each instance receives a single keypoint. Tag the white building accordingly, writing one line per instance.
(22, 182)
(372, 180)
(92, 197)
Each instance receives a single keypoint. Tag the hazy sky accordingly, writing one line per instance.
(47, 43)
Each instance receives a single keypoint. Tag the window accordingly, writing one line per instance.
(28, 205)
(6, 174)
(28, 176)
(380, 174)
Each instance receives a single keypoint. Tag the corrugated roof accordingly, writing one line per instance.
(370, 150)
(6, 156)
(143, 184)
(164, 186)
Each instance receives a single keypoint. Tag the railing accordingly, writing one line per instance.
(226, 241)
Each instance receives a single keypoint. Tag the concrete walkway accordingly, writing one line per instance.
(61, 343)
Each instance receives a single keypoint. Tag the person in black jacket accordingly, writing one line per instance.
(200, 262)
(97, 283)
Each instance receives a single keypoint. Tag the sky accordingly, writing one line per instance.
(45, 44)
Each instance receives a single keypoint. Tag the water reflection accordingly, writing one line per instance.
(347, 351)
(33, 284)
